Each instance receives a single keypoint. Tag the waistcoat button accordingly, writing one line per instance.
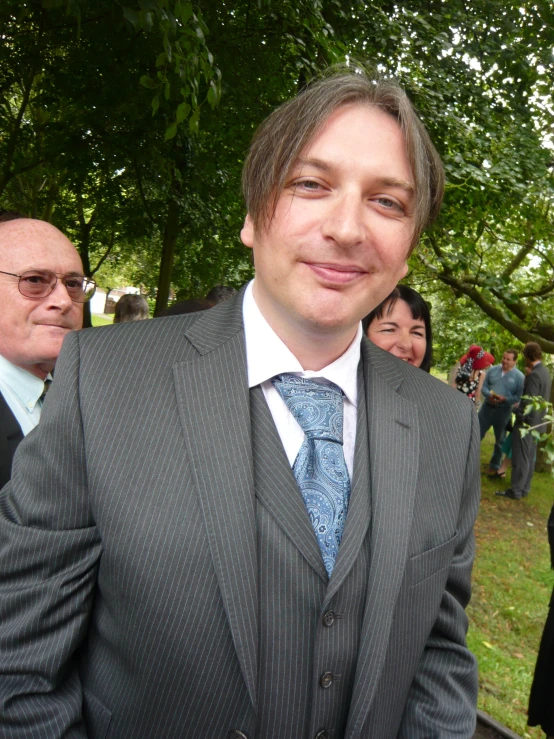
(326, 680)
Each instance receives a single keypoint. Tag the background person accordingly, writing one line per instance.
(401, 325)
(471, 372)
(131, 308)
(42, 291)
(537, 383)
(502, 390)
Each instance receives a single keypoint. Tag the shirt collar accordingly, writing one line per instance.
(26, 386)
(267, 355)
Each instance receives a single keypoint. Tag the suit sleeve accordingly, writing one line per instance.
(442, 699)
(531, 387)
(49, 552)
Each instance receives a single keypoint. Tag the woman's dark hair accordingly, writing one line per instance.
(420, 312)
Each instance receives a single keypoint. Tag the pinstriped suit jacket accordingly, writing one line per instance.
(128, 595)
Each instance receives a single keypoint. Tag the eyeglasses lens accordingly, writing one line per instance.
(41, 284)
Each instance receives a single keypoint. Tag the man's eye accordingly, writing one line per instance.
(389, 204)
(74, 283)
(310, 185)
(35, 280)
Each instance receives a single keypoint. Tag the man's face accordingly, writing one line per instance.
(32, 331)
(338, 242)
(508, 362)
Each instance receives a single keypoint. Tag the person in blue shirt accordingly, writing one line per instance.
(502, 390)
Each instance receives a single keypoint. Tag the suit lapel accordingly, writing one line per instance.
(213, 400)
(394, 449)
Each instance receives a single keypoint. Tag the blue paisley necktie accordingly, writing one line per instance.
(319, 468)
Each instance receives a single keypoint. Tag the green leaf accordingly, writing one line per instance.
(182, 112)
(193, 121)
(186, 13)
(148, 82)
(162, 58)
(212, 94)
(132, 16)
(170, 131)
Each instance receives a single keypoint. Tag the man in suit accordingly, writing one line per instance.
(538, 383)
(172, 566)
(37, 313)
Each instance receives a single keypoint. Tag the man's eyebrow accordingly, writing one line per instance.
(394, 182)
(72, 273)
(324, 166)
(313, 162)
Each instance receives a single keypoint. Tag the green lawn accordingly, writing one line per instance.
(512, 583)
(98, 320)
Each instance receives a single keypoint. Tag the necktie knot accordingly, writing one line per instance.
(316, 406)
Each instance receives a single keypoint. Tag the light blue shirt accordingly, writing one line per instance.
(509, 384)
(21, 391)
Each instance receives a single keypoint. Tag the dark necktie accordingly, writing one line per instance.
(47, 384)
(320, 469)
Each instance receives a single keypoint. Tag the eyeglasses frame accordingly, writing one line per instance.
(58, 277)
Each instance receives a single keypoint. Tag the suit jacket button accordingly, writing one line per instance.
(236, 734)
(322, 734)
(328, 618)
(326, 680)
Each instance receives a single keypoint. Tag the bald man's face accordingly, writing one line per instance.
(32, 330)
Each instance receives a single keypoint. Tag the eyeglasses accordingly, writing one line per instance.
(37, 284)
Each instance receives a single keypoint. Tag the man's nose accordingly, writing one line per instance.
(59, 297)
(345, 221)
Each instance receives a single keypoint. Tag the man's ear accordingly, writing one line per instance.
(247, 232)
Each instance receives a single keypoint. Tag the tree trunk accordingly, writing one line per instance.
(171, 232)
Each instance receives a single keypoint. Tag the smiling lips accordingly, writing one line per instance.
(339, 274)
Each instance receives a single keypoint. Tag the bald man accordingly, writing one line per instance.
(42, 291)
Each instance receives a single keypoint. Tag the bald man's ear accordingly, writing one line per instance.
(247, 232)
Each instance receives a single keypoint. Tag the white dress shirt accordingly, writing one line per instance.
(267, 356)
(21, 391)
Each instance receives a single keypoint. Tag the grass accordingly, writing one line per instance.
(512, 584)
(101, 320)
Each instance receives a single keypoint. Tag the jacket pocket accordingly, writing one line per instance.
(97, 717)
(424, 565)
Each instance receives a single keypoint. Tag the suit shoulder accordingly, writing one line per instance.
(416, 385)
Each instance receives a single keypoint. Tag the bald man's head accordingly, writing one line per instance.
(32, 329)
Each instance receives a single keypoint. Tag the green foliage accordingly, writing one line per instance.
(126, 124)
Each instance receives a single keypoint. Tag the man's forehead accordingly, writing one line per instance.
(29, 244)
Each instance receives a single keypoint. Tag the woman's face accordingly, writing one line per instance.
(399, 333)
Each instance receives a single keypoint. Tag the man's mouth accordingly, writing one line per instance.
(340, 274)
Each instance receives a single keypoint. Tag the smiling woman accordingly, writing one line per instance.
(401, 325)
